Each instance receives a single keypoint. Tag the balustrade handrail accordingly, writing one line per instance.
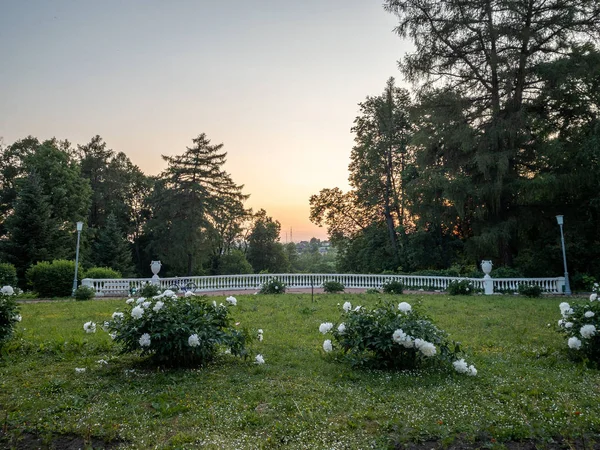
(105, 286)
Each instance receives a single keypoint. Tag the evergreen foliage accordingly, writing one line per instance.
(31, 229)
(111, 249)
(190, 197)
(8, 275)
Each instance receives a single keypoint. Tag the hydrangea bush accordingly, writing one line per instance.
(461, 287)
(273, 286)
(333, 287)
(9, 314)
(391, 336)
(186, 331)
(581, 326)
(393, 287)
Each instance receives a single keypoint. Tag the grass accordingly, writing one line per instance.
(526, 388)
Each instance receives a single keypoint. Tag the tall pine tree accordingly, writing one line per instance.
(190, 196)
(31, 229)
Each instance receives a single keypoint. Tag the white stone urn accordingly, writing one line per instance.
(488, 283)
(486, 266)
(155, 267)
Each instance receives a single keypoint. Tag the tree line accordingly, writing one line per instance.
(499, 134)
(191, 216)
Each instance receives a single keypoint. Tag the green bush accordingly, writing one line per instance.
(390, 337)
(8, 275)
(53, 279)
(460, 287)
(372, 291)
(273, 286)
(174, 332)
(9, 314)
(148, 290)
(531, 291)
(102, 272)
(333, 287)
(506, 272)
(582, 282)
(393, 287)
(85, 293)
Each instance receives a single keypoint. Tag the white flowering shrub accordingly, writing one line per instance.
(391, 336)
(581, 326)
(333, 287)
(273, 286)
(174, 331)
(393, 287)
(9, 314)
(460, 287)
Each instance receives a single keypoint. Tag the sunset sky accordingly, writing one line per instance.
(276, 81)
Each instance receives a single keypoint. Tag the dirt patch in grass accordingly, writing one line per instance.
(26, 441)
(528, 444)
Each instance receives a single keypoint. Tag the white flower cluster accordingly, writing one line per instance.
(7, 290)
(565, 309)
(400, 337)
(259, 359)
(404, 307)
(427, 348)
(461, 367)
(193, 340)
(231, 300)
(260, 335)
(327, 345)
(594, 294)
(145, 340)
(325, 327)
(347, 306)
(586, 331)
(137, 312)
(89, 327)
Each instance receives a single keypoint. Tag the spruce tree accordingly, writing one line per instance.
(111, 249)
(31, 230)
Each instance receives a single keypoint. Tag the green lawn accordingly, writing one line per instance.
(526, 385)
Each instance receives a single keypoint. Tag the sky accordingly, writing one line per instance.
(278, 82)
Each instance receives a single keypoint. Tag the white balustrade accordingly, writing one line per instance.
(124, 286)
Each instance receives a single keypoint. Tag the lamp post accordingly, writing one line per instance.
(79, 228)
(560, 221)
